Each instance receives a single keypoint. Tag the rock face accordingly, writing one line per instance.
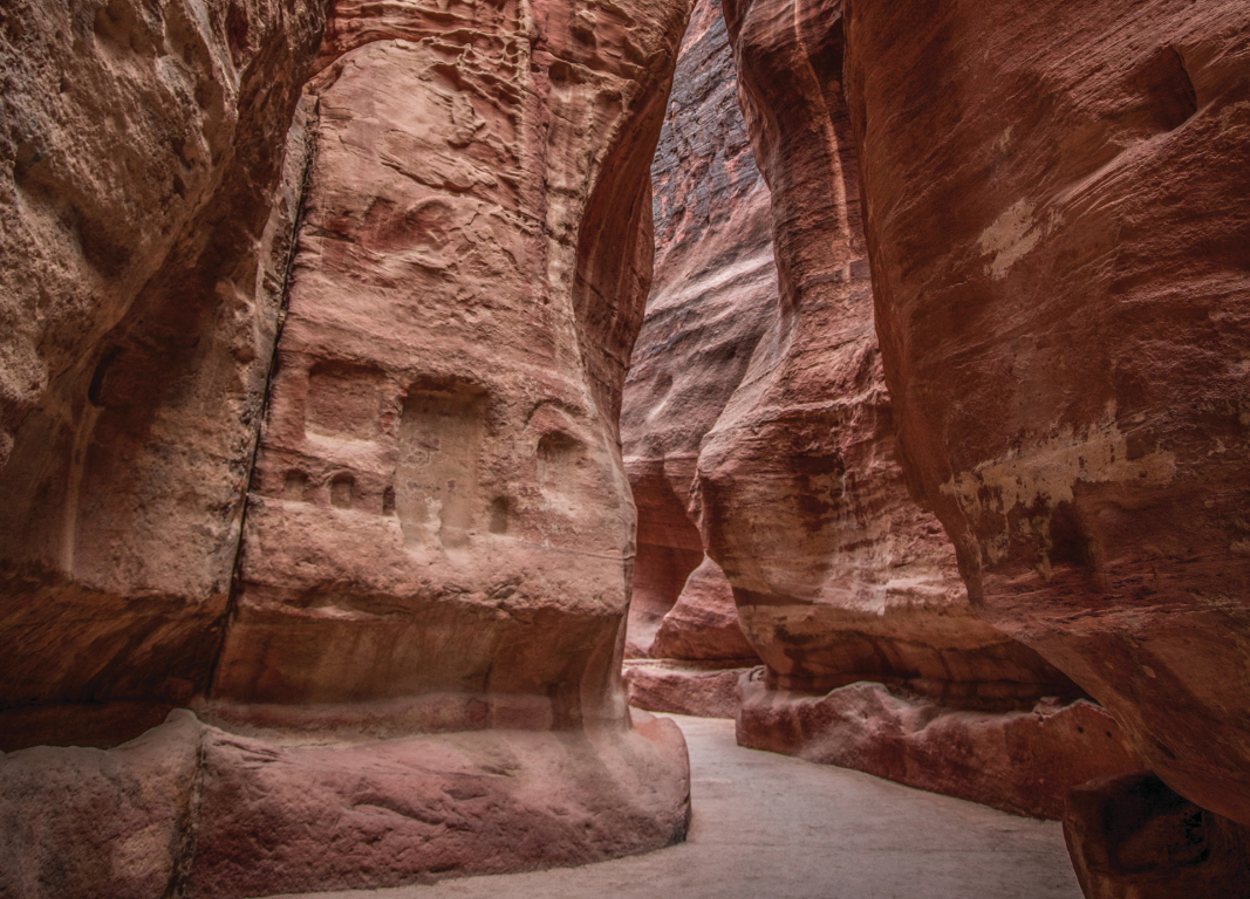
(714, 289)
(1060, 251)
(703, 689)
(431, 532)
(144, 248)
(1133, 838)
(192, 810)
(837, 574)
(438, 488)
(1023, 760)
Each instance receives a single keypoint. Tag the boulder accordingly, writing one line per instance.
(1131, 837)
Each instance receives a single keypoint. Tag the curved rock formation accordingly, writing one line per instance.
(714, 287)
(438, 490)
(1059, 245)
(838, 574)
(144, 245)
(1133, 838)
(438, 526)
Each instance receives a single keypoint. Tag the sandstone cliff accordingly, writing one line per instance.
(1059, 243)
(146, 229)
(713, 294)
(419, 240)
(838, 575)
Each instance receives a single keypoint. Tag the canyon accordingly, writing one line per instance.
(400, 402)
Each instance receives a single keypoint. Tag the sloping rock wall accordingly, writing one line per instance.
(147, 224)
(1057, 228)
(839, 575)
(714, 290)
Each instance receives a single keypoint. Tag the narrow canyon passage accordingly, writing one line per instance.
(595, 448)
(769, 825)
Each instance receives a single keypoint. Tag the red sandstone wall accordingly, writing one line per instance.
(714, 291)
(437, 527)
(1056, 220)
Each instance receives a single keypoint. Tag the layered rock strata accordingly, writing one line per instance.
(839, 576)
(714, 287)
(192, 810)
(437, 527)
(1023, 760)
(1055, 217)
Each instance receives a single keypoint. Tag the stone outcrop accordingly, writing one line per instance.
(838, 575)
(192, 810)
(685, 687)
(1055, 217)
(397, 608)
(1023, 760)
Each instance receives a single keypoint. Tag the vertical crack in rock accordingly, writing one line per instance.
(299, 135)
(186, 831)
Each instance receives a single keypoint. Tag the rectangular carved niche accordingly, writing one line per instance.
(436, 480)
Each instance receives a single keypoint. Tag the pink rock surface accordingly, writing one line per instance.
(837, 572)
(85, 822)
(281, 817)
(703, 624)
(1023, 761)
(838, 575)
(438, 526)
(714, 288)
(1060, 252)
(439, 508)
(703, 689)
(192, 810)
(147, 218)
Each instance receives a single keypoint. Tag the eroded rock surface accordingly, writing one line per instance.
(146, 225)
(838, 575)
(714, 288)
(683, 687)
(1023, 760)
(1060, 251)
(193, 810)
(437, 528)
(438, 489)
(1133, 838)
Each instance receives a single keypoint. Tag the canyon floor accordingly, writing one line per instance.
(767, 825)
